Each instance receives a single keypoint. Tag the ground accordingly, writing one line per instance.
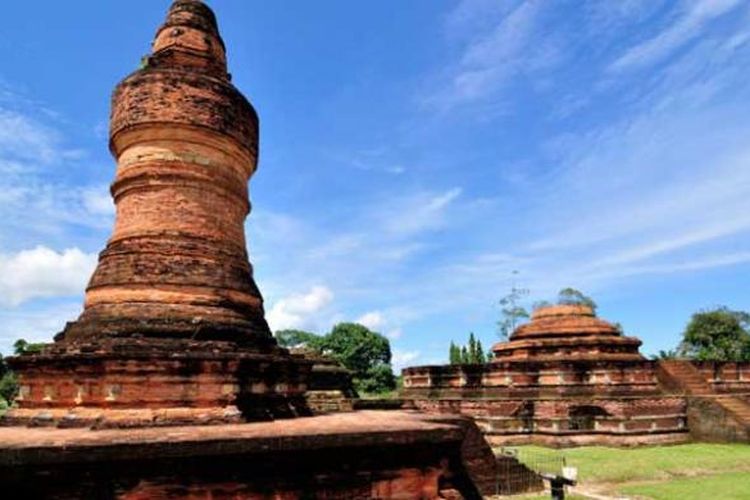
(684, 472)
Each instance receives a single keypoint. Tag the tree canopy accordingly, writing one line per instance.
(21, 346)
(298, 338)
(8, 384)
(571, 296)
(366, 353)
(719, 334)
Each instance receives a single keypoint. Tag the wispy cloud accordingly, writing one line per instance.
(38, 199)
(510, 47)
(417, 212)
(686, 27)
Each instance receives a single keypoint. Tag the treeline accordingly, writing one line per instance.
(471, 353)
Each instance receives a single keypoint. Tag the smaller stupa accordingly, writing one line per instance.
(566, 377)
(567, 333)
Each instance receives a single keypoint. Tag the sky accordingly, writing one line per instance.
(417, 159)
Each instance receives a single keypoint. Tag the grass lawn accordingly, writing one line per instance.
(729, 486)
(717, 471)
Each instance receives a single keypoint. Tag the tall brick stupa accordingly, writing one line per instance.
(173, 328)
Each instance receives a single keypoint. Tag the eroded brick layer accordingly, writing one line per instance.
(363, 455)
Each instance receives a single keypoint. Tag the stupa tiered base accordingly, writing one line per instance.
(142, 382)
(570, 332)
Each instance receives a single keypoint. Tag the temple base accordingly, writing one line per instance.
(141, 385)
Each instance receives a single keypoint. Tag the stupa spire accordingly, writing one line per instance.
(185, 141)
(189, 40)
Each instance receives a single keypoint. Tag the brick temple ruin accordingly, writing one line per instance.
(173, 337)
(173, 299)
(569, 378)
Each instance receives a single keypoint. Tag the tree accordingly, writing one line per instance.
(471, 353)
(8, 384)
(378, 379)
(454, 354)
(669, 354)
(298, 338)
(511, 311)
(471, 348)
(720, 334)
(21, 346)
(479, 354)
(366, 353)
(571, 296)
(464, 355)
(8, 387)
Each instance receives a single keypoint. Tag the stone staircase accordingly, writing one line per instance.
(739, 408)
(730, 414)
(683, 376)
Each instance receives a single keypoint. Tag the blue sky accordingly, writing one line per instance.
(413, 155)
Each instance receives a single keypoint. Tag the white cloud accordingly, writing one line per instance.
(394, 334)
(42, 272)
(401, 359)
(299, 311)
(24, 138)
(687, 27)
(423, 211)
(373, 320)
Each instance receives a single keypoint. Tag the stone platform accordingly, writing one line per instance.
(368, 454)
(142, 382)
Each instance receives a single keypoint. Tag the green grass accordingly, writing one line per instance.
(688, 471)
(599, 464)
(728, 486)
(547, 497)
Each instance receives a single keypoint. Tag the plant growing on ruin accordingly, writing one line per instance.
(571, 296)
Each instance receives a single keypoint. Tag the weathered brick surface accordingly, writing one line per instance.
(401, 455)
(329, 384)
